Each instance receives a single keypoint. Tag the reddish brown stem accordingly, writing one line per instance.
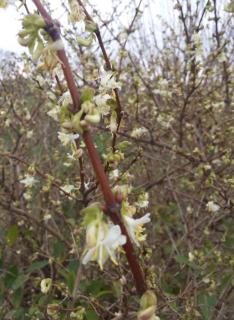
(70, 80)
(99, 170)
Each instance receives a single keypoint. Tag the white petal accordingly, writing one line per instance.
(112, 254)
(100, 256)
(144, 219)
(113, 235)
(138, 222)
(89, 255)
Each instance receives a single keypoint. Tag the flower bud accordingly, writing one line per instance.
(147, 314)
(148, 299)
(91, 234)
(76, 120)
(148, 305)
(68, 125)
(46, 285)
(93, 118)
(90, 26)
(26, 41)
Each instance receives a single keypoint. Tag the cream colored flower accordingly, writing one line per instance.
(76, 12)
(107, 81)
(29, 180)
(54, 113)
(101, 102)
(46, 285)
(143, 200)
(212, 207)
(135, 225)
(113, 122)
(191, 256)
(102, 243)
(68, 188)
(67, 138)
(138, 132)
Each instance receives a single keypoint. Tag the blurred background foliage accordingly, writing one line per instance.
(178, 89)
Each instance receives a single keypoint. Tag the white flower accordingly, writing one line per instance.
(101, 102)
(107, 81)
(143, 200)
(29, 134)
(53, 113)
(68, 188)
(29, 180)
(47, 216)
(114, 174)
(106, 244)
(66, 138)
(133, 226)
(7, 122)
(206, 280)
(27, 195)
(76, 12)
(138, 132)
(113, 122)
(191, 256)
(212, 207)
(46, 285)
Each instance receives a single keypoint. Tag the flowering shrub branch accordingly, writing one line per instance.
(112, 205)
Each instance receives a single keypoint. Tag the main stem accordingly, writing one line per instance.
(112, 206)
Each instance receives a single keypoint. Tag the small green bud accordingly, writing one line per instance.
(68, 125)
(87, 94)
(76, 120)
(147, 314)
(148, 305)
(26, 41)
(148, 299)
(90, 26)
(33, 20)
(86, 42)
(93, 118)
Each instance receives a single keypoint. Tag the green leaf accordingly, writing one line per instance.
(10, 277)
(206, 304)
(87, 94)
(184, 260)
(70, 274)
(36, 265)
(104, 293)
(17, 297)
(86, 42)
(96, 286)
(15, 314)
(20, 281)
(12, 235)
(58, 249)
(91, 315)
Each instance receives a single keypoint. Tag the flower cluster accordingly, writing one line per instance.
(76, 12)
(28, 180)
(102, 239)
(34, 36)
